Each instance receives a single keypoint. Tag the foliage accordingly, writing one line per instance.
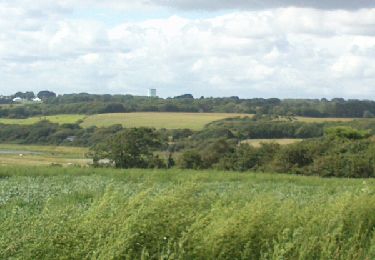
(191, 160)
(345, 149)
(130, 148)
(92, 104)
(346, 132)
(52, 213)
(45, 95)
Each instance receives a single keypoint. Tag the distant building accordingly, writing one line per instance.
(38, 100)
(17, 99)
(152, 92)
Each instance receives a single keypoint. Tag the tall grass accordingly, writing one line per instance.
(50, 213)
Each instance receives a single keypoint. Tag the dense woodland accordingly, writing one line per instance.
(93, 104)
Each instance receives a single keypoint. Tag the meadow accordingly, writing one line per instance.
(323, 120)
(169, 120)
(281, 141)
(194, 121)
(60, 119)
(73, 213)
(33, 155)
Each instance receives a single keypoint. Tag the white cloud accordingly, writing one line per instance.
(286, 52)
(263, 4)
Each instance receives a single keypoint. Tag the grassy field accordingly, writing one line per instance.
(322, 120)
(61, 119)
(258, 142)
(33, 155)
(193, 121)
(71, 213)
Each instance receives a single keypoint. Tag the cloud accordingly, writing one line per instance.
(283, 52)
(263, 4)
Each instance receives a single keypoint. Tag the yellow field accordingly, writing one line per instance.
(195, 121)
(11, 154)
(322, 120)
(60, 119)
(258, 142)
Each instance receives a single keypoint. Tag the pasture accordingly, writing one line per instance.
(194, 121)
(33, 155)
(72, 213)
(323, 120)
(169, 120)
(60, 119)
(258, 142)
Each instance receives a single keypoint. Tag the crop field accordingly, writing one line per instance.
(322, 120)
(195, 121)
(32, 155)
(258, 142)
(60, 119)
(73, 213)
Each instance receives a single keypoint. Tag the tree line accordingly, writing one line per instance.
(93, 104)
(341, 152)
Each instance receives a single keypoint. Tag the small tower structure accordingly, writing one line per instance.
(152, 92)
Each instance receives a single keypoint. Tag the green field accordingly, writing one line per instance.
(157, 120)
(33, 155)
(284, 141)
(60, 213)
(195, 121)
(322, 120)
(60, 119)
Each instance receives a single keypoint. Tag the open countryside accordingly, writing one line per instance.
(187, 130)
(159, 120)
(194, 121)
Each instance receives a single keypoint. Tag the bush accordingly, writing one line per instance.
(190, 160)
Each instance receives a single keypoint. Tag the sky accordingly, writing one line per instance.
(245, 48)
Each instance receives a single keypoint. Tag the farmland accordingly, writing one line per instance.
(60, 119)
(49, 213)
(33, 155)
(169, 120)
(258, 142)
(322, 120)
(195, 121)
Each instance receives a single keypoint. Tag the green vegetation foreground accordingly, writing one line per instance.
(50, 213)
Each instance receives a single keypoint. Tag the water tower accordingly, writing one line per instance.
(152, 92)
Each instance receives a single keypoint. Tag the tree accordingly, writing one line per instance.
(368, 114)
(25, 95)
(344, 132)
(45, 94)
(191, 160)
(130, 148)
(185, 96)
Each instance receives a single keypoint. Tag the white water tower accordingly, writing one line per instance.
(152, 92)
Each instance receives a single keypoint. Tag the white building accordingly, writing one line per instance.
(38, 100)
(152, 92)
(17, 99)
